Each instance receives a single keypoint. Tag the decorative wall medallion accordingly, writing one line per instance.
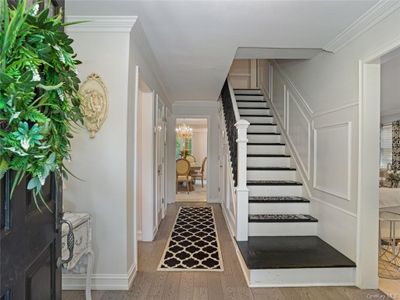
(94, 103)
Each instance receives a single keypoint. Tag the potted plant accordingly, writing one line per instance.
(39, 100)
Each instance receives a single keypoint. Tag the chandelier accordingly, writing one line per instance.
(184, 131)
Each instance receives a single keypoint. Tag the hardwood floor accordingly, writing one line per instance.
(230, 284)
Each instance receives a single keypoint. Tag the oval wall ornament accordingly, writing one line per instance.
(94, 103)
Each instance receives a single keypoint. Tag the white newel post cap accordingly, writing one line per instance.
(242, 124)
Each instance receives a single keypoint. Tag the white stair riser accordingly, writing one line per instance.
(279, 208)
(255, 138)
(251, 104)
(283, 229)
(244, 91)
(271, 175)
(249, 97)
(262, 128)
(250, 111)
(266, 149)
(268, 161)
(302, 277)
(260, 119)
(275, 190)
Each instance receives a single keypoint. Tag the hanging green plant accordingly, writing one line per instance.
(39, 100)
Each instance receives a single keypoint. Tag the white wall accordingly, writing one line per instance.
(113, 48)
(199, 143)
(196, 109)
(318, 101)
(243, 73)
(101, 161)
(390, 90)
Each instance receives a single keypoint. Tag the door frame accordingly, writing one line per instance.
(368, 170)
(173, 171)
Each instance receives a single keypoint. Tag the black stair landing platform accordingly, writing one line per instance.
(284, 252)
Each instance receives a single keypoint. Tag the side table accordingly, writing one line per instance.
(82, 245)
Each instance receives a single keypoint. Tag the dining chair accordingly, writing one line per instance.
(182, 173)
(191, 159)
(201, 173)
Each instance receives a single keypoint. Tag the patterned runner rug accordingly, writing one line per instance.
(193, 244)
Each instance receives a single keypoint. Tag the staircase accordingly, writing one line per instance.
(283, 248)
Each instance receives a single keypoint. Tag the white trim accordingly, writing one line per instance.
(139, 235)
(100, 281)
(101, 23)
(308, 170)
(229, 218)
(326, 190)
(333, 110)
(349, 213)
(135, 169)
(374, 15)
(132, 275)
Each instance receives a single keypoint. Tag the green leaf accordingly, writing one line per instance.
(34, 183)
(3, 167)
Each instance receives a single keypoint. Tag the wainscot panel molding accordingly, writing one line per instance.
(336, 147)
(374, 15)
(101, 23)
(100, 281)
(299, 129)
(291, 86)
(331, 201)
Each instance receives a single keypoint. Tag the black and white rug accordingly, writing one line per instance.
(193, 244)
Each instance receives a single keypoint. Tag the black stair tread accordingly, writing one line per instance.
(277, 199)
(281, 218)
(266, 144)
(273, 182)
(263, 116)
(286, 252)
(268, 155)
(264, 133)
(270, 169)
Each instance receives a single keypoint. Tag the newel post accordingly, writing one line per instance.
(242, 193)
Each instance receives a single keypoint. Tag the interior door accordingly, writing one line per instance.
(30, 241)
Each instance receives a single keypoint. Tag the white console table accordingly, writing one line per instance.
(82, 246)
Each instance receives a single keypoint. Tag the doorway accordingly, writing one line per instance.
(378, 203)
(191, 159)
(389, 176)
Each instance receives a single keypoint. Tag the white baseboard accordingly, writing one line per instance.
(139, 235)
(121, 282)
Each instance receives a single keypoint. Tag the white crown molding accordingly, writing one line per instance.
(101, 23)
(374, 15)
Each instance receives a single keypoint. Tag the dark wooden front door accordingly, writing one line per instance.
(30, 241)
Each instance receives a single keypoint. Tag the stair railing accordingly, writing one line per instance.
(236, 129)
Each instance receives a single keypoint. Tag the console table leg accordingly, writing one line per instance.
(89, 271)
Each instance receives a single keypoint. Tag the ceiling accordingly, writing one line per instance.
(196, 41)
(197, 123)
